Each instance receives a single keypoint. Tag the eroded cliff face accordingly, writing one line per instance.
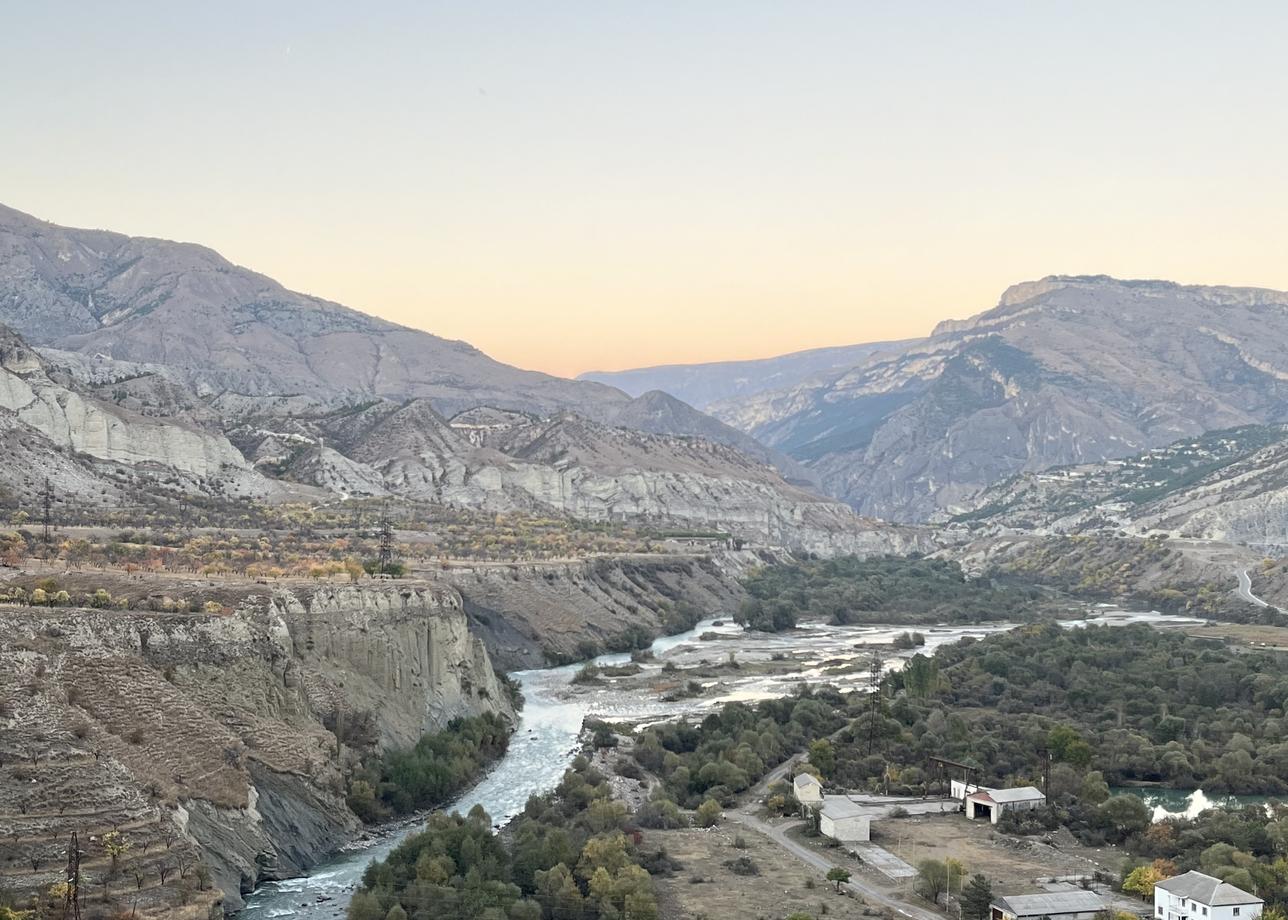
(531, 612)
(212, 736)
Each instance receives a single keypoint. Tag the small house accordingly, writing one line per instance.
(993, 803)
(843, 820)
(808, 790)
(1196, 896)
(1070, 904)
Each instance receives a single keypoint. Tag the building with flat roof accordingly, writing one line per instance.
(1073, 904)
(843, 820)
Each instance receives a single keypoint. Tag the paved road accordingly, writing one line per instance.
(1245, 589)
(818, 861)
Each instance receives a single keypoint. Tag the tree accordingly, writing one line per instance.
(365, 906)
(977, 898)
(1141, 880)
(396, 913)
(1126, 814)
(822, 755)
(838, 876)
(932, 879)
(1094, 788)
(708, 814)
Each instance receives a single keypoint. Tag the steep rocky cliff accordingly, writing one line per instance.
(209, 733)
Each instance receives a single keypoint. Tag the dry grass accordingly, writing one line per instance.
(1275, 637)
(1011, 864)
(779, 889)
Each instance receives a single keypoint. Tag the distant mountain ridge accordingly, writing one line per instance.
(224, 327)
(1227, 485)
(161, 368)
(701, 385)
(1065, 370)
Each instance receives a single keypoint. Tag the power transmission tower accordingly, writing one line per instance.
(874, 701)
(47, 504)
(71, 900)
(386, 554)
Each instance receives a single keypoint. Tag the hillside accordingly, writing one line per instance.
(1224, 485)
(1063, 371)
(223, 327)
(163, 360)
(701, 385)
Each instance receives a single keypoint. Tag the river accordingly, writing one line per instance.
(546, 739)
(1182, 803)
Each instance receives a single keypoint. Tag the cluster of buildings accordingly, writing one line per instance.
(839, 817)
(1191, 896)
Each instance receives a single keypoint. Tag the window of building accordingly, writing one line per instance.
(1236, 911)
(1205, 911)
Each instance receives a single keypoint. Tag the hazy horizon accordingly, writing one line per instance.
(583, 187)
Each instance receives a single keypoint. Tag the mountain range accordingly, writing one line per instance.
(1066, 370)
(128, 361)
(132, 357)
(702, 385)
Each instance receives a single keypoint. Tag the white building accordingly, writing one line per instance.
(960, 789)
(808, 790)
(1195, 896)
(993, 803)
(844, 821)
(1072, 904)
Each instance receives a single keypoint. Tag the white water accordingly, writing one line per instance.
(546, 739)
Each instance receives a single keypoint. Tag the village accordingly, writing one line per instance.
(875, 831)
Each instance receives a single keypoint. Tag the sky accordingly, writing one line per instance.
(600, 185)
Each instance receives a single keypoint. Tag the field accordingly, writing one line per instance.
(1012, 864)
(1255, 635)
(778, 890)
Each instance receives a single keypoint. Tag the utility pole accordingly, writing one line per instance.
(71, 900)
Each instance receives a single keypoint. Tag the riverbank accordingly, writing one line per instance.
(546, 738)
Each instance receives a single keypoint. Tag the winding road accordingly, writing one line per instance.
(1245, 589)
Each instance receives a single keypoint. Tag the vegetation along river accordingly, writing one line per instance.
(546, 739)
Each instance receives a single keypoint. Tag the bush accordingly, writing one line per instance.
(708, 814)
(743, 865)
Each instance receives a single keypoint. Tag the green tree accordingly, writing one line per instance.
(365, 906)
(1125, 814)
(396, 913)
(823, 756)
(932, 879)
(977, 898)
(1094, 788)
(838, 876)
(708, 814)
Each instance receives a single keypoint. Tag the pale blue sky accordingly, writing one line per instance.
(578, 185)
